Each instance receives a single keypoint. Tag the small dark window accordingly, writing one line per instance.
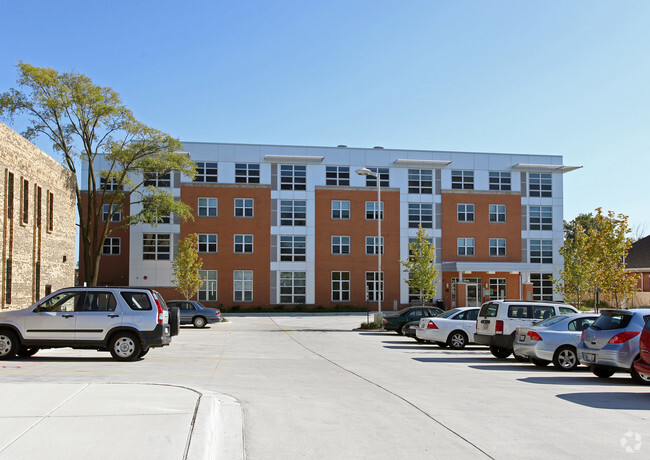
(10, 195)
(8, 282)
(137, 300)
(608, 322)
(50, 214)
(489, 310)
(518, 311)
(25, 210)
(39, 199)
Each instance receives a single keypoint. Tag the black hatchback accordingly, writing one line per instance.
(397, 321)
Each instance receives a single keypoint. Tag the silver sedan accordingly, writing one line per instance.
(553, 340)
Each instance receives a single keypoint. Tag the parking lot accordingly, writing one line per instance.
(313, 387)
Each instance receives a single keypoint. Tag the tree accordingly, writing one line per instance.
(186, 266)
(575, 280)
(423, 276)
(89, 124)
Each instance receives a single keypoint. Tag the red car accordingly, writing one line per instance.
(642, 365)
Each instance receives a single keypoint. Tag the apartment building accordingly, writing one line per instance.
(298, 225)
(38, 222)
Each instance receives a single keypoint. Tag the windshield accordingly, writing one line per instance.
(449, 313)
(550, 321)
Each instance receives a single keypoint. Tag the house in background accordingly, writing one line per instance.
(37, 227)
(638, 261)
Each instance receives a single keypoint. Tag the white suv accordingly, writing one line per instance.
(498, 319)
(125, 321)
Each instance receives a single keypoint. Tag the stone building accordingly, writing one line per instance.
(38, 222)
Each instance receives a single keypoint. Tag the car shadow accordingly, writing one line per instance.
(609, 400)
(455, 359)
(62, 359)
(581, 380)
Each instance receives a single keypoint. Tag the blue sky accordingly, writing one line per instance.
(568, 77)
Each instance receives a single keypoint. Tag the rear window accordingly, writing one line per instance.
(614, 321)
(550, 321)
(489, 310)
(567, 310)
(137, 300)
(518, 311)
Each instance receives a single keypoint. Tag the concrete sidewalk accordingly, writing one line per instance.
(107, 421)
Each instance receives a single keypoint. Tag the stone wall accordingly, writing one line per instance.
(37, 227)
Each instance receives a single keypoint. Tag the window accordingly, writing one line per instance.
(39, 211)
(109, 209)
(340, 286)
(243, 285)
(420, 214)
(497, 288)
(421, 181)
(24, 188)
(65, 301)
(542, 286)
(539, 184)
(243, 244)
(340, 245)
(208, 290)
(340, 209)
(337, 175)
(371, 181)
(540, 217)
(497, 213)
(465, 246)
(463, 180)
(293, 287)
(373, 212)
(208, 243)
(137, 300)
(372, 246)
(374, 286)
(50, 211)
(293, 177)
(156, 246)
(465, 212)
(8, 275)
(99, 301)
(111, 246)
(208, 207)
(541, 251)
(155, 179)
(497, 247)
(10, 195)
(293, 213)
(110, 184)
(247, 173)
(499, 180)
(293, 248)
(166, 219)
(244, 207)
(206, 172)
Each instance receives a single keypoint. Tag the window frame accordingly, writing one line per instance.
(371, 214)
(292, 248)
(292, 285)
(373, 244)
(466, 247)
(243, 244)
(418, 214)
(541, 252)
(206, 171)
(208, 243)
(468, 216)
(159, 243)
(498, 213)
(337, 175)
(110, 244)
(540, 185)
(340, 209)
(242, 285)
(293, 177)
(540, 218)
(340, 288)
(341, 244)
(462, 179)
(500, 180)
(295, 213)
(205, 209)
(245, 207)
(247, 173)
(420, 181)
(498, 247)
(210, 286)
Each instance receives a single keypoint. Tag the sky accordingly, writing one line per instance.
(559, 77)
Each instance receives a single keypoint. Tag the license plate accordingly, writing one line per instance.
(590, 357)
(522, 338)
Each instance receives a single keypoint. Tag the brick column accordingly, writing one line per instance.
(461, 295)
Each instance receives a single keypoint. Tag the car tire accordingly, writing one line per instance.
(602, 373)
(539, 362)
(174, 321)
(441, 344)
(565, 358)
(420, 340)
(143, 352)
(638, 378)
(499, 352)
(125, 346)
(457, 340)
(26, 352)
(199, 321)
(8, 344)
(520, 358)
(400, 330)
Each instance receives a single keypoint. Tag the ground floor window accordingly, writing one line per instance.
(542, 286)
(497, 288)
(243, 285)
(340, 286)
(208, 290)
(374, 286)
(293, 287)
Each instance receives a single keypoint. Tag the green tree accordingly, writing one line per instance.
(186, 266)
(575, 280)
(423, 276)
(88, 124)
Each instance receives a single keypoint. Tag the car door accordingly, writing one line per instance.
(96, 315)
(469, 323)
(576, 326)
(187, 312)
(54, 318)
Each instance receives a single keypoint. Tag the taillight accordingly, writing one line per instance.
(160, 311)
(431, 325)
(534, 336)
(499, 327)
(623, 337)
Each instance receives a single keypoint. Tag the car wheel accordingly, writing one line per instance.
(198, 321)
(26, 352)
(143, 352)
(8, 344)
(400, 330)
(174, 321)
(499, 352)
(638, 378)
(539, 362)
(565, 358)
(602, 373)
(520, 358)
(125, 346)
(457, 340)
(420, 340)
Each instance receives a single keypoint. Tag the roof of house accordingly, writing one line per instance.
(639, 254)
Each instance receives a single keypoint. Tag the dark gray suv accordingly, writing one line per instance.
(126, 321)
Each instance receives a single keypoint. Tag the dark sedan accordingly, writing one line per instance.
(192, 312)
(397, 321)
